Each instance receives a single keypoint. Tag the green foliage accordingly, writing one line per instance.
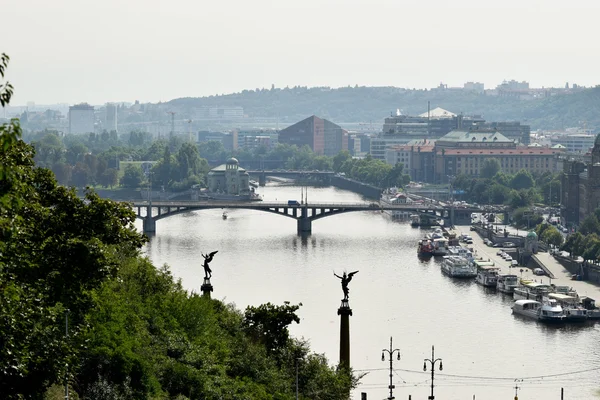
(268, 323)
(522, 180)
(549, 234)
(490, 168)
(133, 176)
(55, 250)
(590, 225)
(524, 217)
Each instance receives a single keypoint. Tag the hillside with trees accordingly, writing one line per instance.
(364, 104)
(71, 264)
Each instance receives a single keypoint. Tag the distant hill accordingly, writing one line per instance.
(364, 104)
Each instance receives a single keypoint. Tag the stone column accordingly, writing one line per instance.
(206, 288)
(345, 312)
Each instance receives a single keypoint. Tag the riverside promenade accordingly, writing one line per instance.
(562, 277)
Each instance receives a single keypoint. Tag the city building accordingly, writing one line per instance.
(110, 118)
(580, 187)
(252, 138)
(81, 119)
(218, 113)
(322, 136)
(579, 143)
(229, 179)
(432, 125)
(464, 152)
(475, 87)
(418, 158)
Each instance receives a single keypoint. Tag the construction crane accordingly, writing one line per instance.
(172, 123)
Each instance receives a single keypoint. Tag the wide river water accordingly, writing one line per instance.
(483, 346)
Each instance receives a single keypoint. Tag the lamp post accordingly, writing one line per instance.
(432, 362)
(517, 387)
(391, 352)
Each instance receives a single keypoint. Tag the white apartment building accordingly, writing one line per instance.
(81, 118)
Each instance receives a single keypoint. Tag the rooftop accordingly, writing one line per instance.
(518, 151)
(478, 136)
(438, 112)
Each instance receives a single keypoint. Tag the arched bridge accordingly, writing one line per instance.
(304, 214)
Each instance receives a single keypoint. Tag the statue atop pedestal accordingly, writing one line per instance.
(345, 278)
(207, 259)
(207, 287)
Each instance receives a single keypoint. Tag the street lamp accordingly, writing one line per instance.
(391, 352)
(432, 361)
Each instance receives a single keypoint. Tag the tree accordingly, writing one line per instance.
(75, 152)
(110, 178)
(62, 172)
(522, 180)
(590, 225)
(133, 176)
(490, 167)
(339, 159)
(55, 249)
(80, 176)
(269, 323)
(574, 244)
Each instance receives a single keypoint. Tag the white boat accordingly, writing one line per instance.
(460, 251)
(437, 234)
(548, 311)
(487, 275)
(574, 312)
(551, 311)
(526, 308)
(440, 246)
(458, 267)
(507, 283)
(529, 290)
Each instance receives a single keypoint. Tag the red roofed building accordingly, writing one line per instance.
(469, 161)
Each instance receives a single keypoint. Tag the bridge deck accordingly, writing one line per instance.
(267, 205)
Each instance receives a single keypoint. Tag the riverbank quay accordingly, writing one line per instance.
(561, 276)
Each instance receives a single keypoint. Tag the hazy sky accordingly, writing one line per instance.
(122, 50)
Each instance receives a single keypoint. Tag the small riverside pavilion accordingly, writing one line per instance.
(229, 178)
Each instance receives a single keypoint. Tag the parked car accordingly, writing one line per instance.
(499, 253)
(509, 244)
(539, 271)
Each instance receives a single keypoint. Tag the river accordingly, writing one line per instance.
(483, 346)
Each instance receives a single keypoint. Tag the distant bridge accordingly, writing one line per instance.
(304, 214)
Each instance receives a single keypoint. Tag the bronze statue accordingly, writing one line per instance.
(346, 278)
(207, 259)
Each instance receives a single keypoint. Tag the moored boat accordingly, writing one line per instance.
(487, 273)
(440, 246)
(529, 290)
(425, 248)
(548, 311)
(574, 312)
(551, 311)
(526, 308)
(458, 267)
(507, 283)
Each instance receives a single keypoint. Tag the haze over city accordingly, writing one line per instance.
(71, 51)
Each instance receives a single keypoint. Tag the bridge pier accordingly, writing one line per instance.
(304, 222)
(149, 225)
(262, 179)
